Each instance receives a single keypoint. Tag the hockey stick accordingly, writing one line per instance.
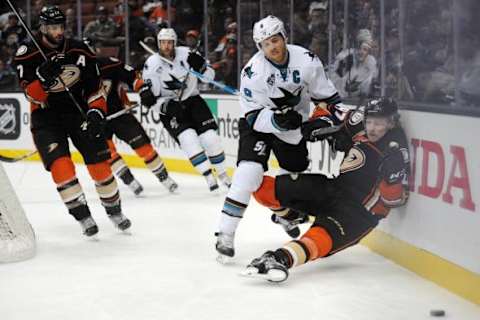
(122, 112)
(11, 160)
(46, 58)
(31, 153)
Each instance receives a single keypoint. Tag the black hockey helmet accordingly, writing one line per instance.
(382, 107)
(51, 15)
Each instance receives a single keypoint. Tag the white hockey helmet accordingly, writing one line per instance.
(167, 34)
(267, 27)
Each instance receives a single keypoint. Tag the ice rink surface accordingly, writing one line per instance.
(166, 268)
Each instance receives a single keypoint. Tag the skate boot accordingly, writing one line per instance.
(225, 179)
(267, 267)
(89, 226)
(224, 246)
(170, 184)
(211, 181)
(290, 222)
(136, 187)
(118, 219)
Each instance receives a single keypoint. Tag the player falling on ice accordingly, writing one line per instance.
(373, 179)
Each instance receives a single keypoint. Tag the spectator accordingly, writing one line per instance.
(230, 28)
(318, 27)
(354, 70)
(14, 32)
(7, 77)
(192, 38)
(226, 67)
(160, 13)
(301, 32)
(70, 23)
(103, 30)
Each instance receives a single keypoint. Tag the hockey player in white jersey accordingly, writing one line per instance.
(184, 114)
(277, 85)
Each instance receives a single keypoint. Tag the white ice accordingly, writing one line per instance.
(167, 270)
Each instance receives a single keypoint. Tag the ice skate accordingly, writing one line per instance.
(290, 225)
(136, 187)
(225, 179)
(120, 221)
(170, 184)
(224, 247)
(211, 182)
(266, 267)
(89, 226)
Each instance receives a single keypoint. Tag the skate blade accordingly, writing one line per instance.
(223, 259)
(93, 238)
(273, 275)
(126, 232)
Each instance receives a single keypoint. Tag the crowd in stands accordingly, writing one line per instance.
(419, 62)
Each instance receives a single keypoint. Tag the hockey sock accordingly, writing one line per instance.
(315, 243)
(63, 174)
(246, 179)
(153, 161)
(210, 141)
(190, 144)
(105, 184)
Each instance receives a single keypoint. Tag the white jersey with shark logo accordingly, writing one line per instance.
(266, 86)
(167, 79)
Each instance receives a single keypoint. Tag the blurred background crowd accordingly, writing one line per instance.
(423, 52)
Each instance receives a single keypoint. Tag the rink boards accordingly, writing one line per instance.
(436, 235)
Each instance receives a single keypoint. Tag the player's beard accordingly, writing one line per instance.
(168, 54)
(57, 41)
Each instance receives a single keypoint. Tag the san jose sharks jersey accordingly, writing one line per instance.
(168, 80)
(266, 86)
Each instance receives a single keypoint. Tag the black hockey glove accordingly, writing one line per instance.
(95, 123)
(48, 71)
(287, 119)
(147, 98)
(197, 62)
(341, 141)
(392, 168)
(318, 129)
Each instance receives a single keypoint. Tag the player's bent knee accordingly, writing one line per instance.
(318, 242)
(62, 170)
(146, 151)
(248, 176)
(99, 171)
(265, 195)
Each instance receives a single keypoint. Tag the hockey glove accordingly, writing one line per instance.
(318, 129)
(95, 123)
(287, 119)
(341, 141)
(197, 62)
(147, 98)
(48, 71)
(392, 168)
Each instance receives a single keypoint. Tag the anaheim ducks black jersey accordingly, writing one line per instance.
(360, 174)
(116, 77)
(80, 74)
